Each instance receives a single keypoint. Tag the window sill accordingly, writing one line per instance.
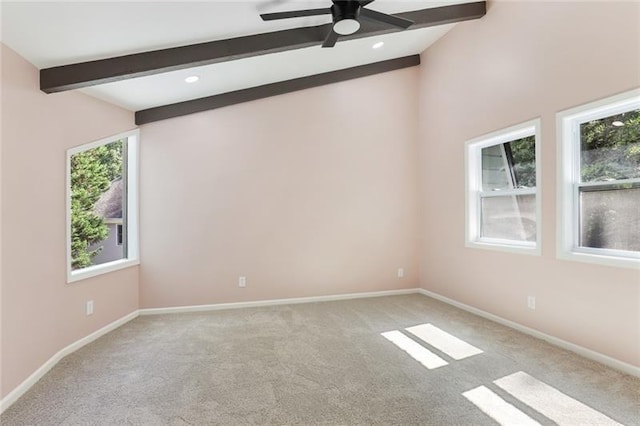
(531, 249)
(600, 259)
(94, 271)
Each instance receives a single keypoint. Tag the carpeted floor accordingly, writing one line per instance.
(324, 363)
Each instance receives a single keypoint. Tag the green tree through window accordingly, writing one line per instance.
(610, 148)
(92, 172)
(523, 153)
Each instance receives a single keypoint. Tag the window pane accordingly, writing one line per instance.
(495, 174)
(509, 165)
(509, 217)
(523, 152)
(610, 148)
(610, 218)
(97, 194)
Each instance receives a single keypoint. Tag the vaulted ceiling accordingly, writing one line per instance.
(138, 54)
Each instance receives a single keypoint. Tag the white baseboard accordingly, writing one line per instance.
(274, 302)
(23, 387)
(580, 350)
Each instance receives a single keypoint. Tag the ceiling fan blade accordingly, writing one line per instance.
(363, 3)
(331, 39)
(387, 19)
(294, 14)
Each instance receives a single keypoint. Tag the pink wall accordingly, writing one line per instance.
(309, 193)
(525, 60)
(41, 314)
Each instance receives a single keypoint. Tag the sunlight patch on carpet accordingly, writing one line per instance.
(415, 350)
(550, 402)
(497, 408)
(456, 348)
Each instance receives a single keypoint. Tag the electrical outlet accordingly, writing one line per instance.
(400, 272)
(89, 307)
(531, 302)
(242, 282)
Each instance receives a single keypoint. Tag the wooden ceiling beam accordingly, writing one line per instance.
(260, 92)
(87, 74)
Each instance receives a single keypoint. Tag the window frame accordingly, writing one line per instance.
(132, 232)
(569, 182)
(473, 170)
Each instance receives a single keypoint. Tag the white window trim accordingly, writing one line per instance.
(567, 204)
(473, 180)
(133, 217)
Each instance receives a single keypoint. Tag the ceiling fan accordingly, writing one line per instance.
(345, 18)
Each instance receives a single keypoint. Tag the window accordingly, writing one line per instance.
(102, 206)
(599, 181)
(503, 199)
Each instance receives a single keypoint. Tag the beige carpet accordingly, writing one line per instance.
(327, 363)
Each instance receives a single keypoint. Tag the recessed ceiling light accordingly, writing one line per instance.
(618, 123)
(192, 79)
(378, 45)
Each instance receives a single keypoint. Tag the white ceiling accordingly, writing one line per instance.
(58, 33)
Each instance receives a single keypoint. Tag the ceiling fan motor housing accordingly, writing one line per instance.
(345, 17)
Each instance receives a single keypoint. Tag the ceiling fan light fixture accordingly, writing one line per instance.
(345, 14)
(346, 26)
